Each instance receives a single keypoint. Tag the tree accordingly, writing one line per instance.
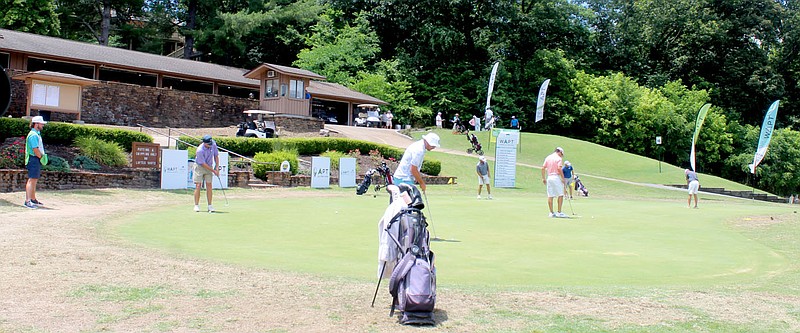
(34, 16)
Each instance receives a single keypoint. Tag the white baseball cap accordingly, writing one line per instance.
(567, 163)
(483, 158)
(432, 139)
(38, 120)
(559, 149)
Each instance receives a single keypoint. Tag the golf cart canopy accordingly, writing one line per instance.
(368, 106)
(252, 112)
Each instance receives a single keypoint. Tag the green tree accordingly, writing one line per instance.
(34, 16)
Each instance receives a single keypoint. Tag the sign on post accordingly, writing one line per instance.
(347, 172)
(145, 155)
(505, 166)
(174, 169)
(320, 172)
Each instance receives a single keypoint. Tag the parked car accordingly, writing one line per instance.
(328, 118)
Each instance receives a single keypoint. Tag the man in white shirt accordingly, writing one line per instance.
(409, 168)
(488, 119)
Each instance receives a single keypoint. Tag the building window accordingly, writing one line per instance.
(296, 89)
(270, 88)
(5, 60)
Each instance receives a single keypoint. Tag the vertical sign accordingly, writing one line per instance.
(505, 166)
(347, 172)
(223, 172)
(320, 172)
(174, 169)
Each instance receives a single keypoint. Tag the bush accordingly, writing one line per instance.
(273, 162)
(13, 156)
(85, 163)
(65, 134)
(431, 167)
(103, 152)
(56, 163)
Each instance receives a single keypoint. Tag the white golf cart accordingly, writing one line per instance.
(369, 115)
(258, 126)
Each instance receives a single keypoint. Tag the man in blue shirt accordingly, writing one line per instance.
(34, 159)
(568, 181)
(514, 122)
(206, 166)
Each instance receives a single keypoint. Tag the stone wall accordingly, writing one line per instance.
(285, 179)
(128, 104)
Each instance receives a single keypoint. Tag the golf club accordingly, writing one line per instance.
(430, 216)
(221, 187)
(570, 200)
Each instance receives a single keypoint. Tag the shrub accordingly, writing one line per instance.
(103, 152)
(56, 163)
(85, 163)
(13, 155)
(431, 167)
(273, 162)
(65, 134)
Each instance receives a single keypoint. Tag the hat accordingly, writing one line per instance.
(482, 158)
(567, 163)
(38, 120)
(439, 113)
(560, 150)
(687, 171)
(432, 139)
(513, 117)
(207, 139)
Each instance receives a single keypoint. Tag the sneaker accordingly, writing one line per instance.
(560, 214)
(490, 197)
(551, 215)
(37, 202)
(211, 209)
(30, 205)
(197, 208)
(479, 197)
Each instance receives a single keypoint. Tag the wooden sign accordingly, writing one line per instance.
(145, 155)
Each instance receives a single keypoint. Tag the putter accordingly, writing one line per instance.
(430, 217)
(378, 286)
(223, 191)
(570, 201)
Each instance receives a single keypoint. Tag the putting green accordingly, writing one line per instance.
(508, 242)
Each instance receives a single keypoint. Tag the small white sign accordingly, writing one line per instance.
(174, 169)
(347, 172)
(320, 172)
(658, 140)
(285, 166)
(505, 166)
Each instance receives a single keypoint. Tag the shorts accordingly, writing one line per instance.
(570, 181)
(694, 186)
(202, 175)
(555, 187)
(34, 167)
(398, 181)
(484, 180)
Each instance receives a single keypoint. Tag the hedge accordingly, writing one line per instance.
(65, 133)
(311, 146)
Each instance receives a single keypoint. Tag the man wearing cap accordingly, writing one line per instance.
(411, 162)
(693, 184)
(439, 120)
(553, 178)
(568, 178)
(35, 157)
(204, 170)
(514, 122)
(482, 169)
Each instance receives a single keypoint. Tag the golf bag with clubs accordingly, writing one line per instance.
(580, 187)
(413, 280)
(385, 175)
(476, 146)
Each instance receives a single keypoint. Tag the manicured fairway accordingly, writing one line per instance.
(508, 242)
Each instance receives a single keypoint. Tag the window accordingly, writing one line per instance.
(5, 60)
(270, 88)
(296, 89)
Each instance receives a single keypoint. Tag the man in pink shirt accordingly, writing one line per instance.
(553, 178)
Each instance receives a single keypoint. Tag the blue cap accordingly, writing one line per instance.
(207, 139)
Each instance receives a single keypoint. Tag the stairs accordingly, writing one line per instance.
(739, 194)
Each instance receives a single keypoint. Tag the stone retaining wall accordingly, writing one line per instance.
(285, 179)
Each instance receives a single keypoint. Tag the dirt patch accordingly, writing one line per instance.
(757, 222)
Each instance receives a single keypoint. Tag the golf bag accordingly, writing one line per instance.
(580, 187)
(413, 280)
(476, 146)
(385, 175)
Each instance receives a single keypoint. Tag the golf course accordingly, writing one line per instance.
(630, 257)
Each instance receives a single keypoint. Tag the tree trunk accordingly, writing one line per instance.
(191, 15)
(105, 25)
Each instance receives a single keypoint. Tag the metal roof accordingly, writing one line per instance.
(255, 73)
(333, 91)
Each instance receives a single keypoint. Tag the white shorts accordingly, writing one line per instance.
(694, 186)
(484, 180)
(570, 181)
(555, 187)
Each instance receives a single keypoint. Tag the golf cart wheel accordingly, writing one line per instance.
(469, 150)
(377, 187)
(480, 152)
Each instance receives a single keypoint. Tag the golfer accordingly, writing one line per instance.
(553, 178)
(34, 159)
(411, 162)
(693, 184)
(482, 169)
(567, 171)
(204, 170)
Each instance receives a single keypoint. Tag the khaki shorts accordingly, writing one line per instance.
(483, 180)
(202, 175)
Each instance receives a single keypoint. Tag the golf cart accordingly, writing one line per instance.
(370, 117)
(258, 126)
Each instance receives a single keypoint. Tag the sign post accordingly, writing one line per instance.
(320, 172)
(347, 172)
(660, 153)
(505, 165)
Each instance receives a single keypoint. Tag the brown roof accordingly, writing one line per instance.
(256, 72)
(57, 77)
(57, 48)
(330, 90)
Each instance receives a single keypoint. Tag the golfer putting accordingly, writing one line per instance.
(204, 171)
(553, 178)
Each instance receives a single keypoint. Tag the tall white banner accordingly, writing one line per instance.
(505, 165)
(320, 172)
(347, 172)
(174, 169)
(540, 101)
(223, 172)
(765, 136)
(491, 85)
